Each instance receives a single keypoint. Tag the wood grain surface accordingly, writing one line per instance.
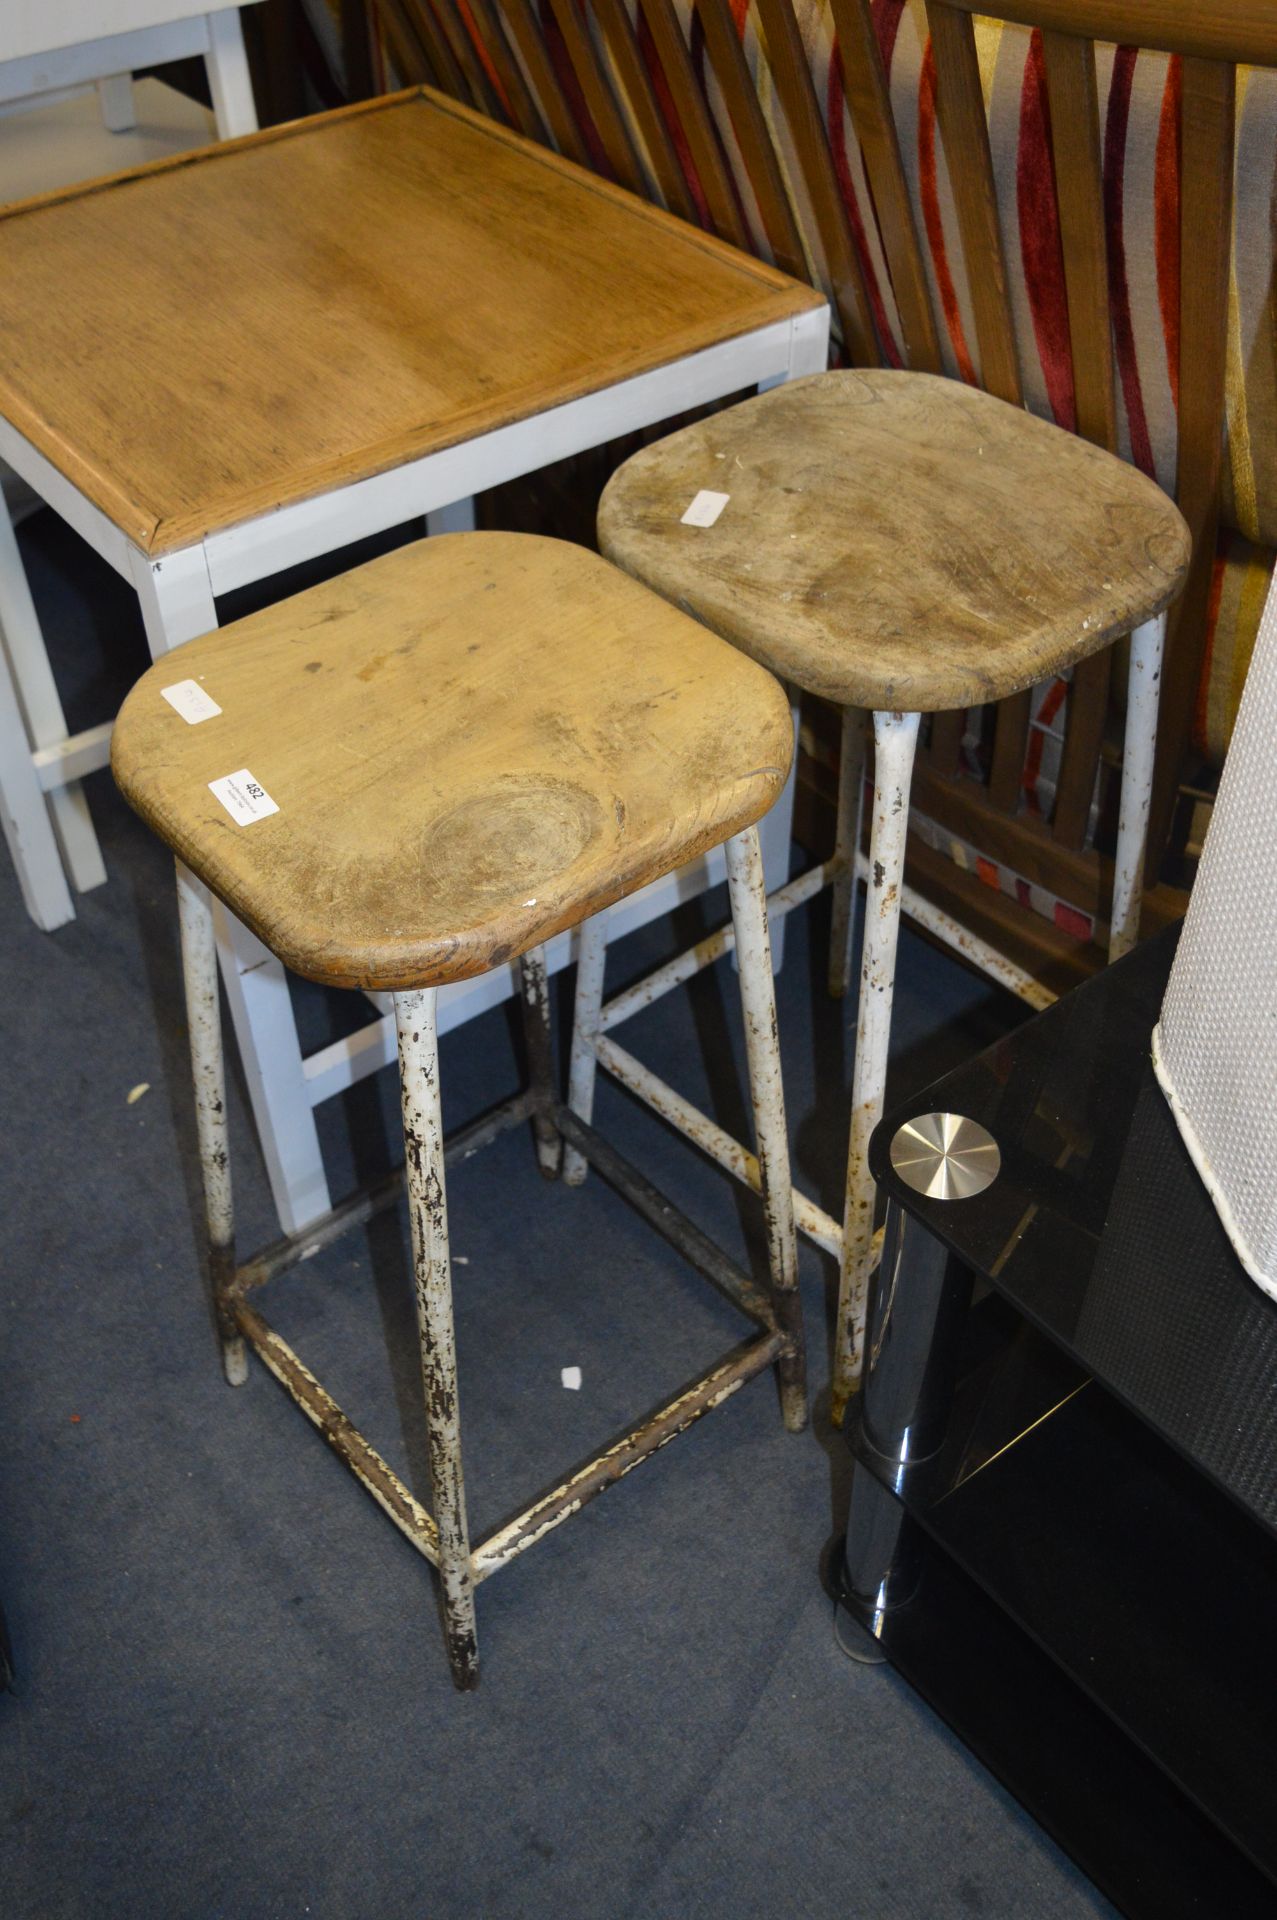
(897, 540)
(472, 743)
(205, 340)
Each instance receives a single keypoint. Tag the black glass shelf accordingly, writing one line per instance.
(1138, 1580)
(1099, 1231)
(1138, 1839)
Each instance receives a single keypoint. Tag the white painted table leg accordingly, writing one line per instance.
(582, 1066)
(895, 740)
(204, 1021)
(177, 605)
(762, 1047)
(46, 723)
(28, 830)
(115, 98)
(428, 1212)
(1143, 689)
(229, 81)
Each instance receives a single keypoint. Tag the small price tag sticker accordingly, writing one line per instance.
(244, 798)
(706, 508)
(188, 698)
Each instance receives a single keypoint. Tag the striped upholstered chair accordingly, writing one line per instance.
(757, 118)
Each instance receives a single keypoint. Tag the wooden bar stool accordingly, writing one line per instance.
(419, 771)
(904, 544)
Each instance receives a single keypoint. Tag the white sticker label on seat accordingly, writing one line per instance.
(188, 698)
(243, 798)
(706, 508)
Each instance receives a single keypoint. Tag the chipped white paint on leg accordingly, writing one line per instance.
(582, 1066)
(428, 1211)
(895, 740)
(204, 1019)
(851, 786)
(748, 890)
(1143, 689)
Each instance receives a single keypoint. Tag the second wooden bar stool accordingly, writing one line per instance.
(407, 776)
(906, 545)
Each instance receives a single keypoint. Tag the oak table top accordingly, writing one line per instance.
(208, 338)
(468, 745)
(898, 540)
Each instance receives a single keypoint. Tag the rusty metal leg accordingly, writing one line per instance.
(895, 740)
(534, 993)
(1143, 685)
(748, 890)
(851, 783)
(428, 1210)
(204, 1018)
(591, 960)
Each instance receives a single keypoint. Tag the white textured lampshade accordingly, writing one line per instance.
(1215, 1047)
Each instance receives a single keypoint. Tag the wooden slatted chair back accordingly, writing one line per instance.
(623, 86)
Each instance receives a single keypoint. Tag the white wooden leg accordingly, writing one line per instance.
(28, 830)
(895, 739)
(582, 1066)
(177, 605)
(458, 518)
(1143, 689)
(115, 98)
(45, 722)
(229, 81)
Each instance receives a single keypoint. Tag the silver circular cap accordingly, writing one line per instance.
(945, 1156)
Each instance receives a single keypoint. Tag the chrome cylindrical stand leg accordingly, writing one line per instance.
(919, 1299)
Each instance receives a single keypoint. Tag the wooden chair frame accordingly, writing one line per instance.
(1053, 854)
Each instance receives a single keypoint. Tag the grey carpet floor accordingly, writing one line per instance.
(232, 1698)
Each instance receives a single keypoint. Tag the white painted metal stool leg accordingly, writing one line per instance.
(1143, 689)
(204, 1019)
(748, 889)
(895, 740)
(538, 1035)
(428, 1210)
(583, 1064)
(851, 786)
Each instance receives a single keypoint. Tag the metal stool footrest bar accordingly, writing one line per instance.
(621, 1456)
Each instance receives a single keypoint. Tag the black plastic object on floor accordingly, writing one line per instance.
(1063, 1518)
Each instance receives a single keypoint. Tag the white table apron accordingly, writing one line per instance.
(178, 593)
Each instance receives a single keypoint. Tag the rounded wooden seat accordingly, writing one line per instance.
(469, 745)
(898, 541)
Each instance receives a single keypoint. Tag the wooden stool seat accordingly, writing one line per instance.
(470, 744)
(897, 541)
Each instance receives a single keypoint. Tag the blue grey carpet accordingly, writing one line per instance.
(232, 1696)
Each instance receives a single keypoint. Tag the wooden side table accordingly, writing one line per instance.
(221, 366)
